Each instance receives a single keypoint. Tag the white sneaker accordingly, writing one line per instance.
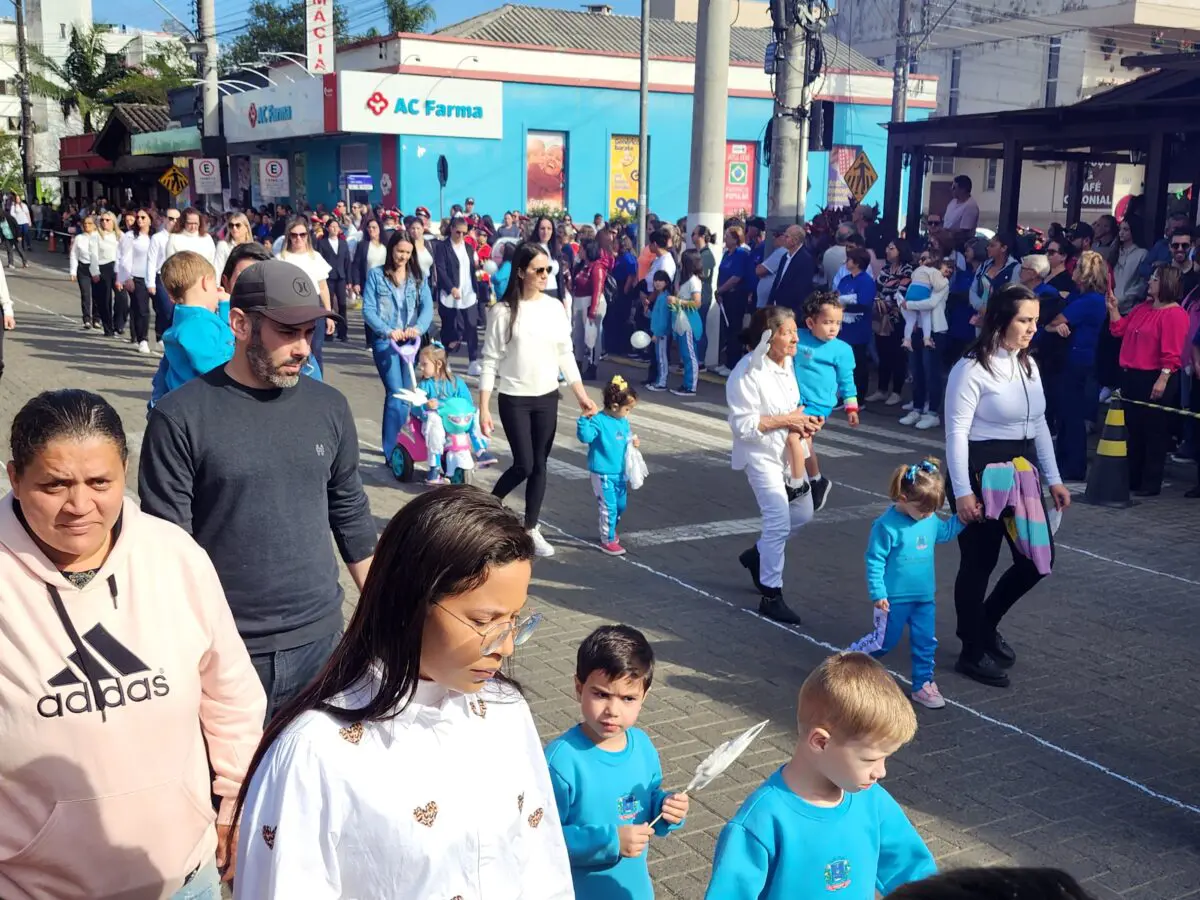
(929, 696)
(892, 399)
(907, 407)
(541, 546)
(143, 347)
(928, 420)
(912, 418)
(475, 368)
(723, 371)
(876, 397)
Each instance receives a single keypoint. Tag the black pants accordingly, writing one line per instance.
(139, 311)
(120, 302)
(1148, 431)
(862, 370)
(337, 294)
(1108, 353)
(84, 283)
(10, 246)
(893, 361)
(978, 612)
(529, 425)
(461, 325)
(1, 349)
(102, 302)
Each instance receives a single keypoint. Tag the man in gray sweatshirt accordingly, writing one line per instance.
(259, 463)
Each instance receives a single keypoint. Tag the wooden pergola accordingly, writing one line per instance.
(1154, 121)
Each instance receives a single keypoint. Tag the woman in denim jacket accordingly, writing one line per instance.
(397, 306)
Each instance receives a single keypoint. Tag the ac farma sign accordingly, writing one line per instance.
(415, 104)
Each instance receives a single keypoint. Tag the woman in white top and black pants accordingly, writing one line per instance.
(131, 272)
(528, 343)
(995, 411)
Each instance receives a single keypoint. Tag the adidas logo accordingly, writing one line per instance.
(118, 685)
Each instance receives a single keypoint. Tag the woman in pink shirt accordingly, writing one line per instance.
(1152, 336)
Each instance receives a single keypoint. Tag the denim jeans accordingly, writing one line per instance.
(927, 372)
(284, 673)
(1072, 429)
(164, 310)
(395, 377)
(205, 884)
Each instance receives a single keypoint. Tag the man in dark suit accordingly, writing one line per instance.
(794, 277)
(459, 292)
(335, 251)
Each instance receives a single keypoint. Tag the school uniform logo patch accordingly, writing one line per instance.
(628, 807)
(837, 875)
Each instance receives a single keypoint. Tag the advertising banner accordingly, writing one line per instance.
(290, 110)
(624, 172)
(841, 158)
(545, 169)
(319, 35)
(273, 178)
(371, 103)
(741, 158)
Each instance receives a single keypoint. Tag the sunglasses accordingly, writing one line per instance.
(541, 270)
(1181, 246)
(298, 234)
(934, 223)
(236, 225)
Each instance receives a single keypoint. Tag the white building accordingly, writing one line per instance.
(994, 55)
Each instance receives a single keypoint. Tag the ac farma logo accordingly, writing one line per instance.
(125, 679)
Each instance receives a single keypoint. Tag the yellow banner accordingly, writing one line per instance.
(623, 175)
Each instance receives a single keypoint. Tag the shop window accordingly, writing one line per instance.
(353, 158)
(955, 80)
(545, 170)
(941, 165)
(993, 166)
(1052, 59)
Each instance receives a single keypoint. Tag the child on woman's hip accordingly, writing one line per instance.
(608, 436)
(901, 578)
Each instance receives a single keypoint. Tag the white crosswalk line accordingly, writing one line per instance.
(702, 430)
(730, 527)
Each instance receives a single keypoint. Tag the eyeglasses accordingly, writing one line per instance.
(494, 638)
(298, 235)
(541, 270)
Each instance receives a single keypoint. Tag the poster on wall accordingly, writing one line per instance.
(741, 158)
(623, 174)
(841, 158)
(545, 170)
(273, 178)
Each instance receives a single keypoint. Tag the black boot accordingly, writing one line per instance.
(984, 670)
(772, 606)
(589, 374)
(749, 559)
(998, 649)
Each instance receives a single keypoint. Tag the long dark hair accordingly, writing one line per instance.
(690, 263)
(524, 255)
(997, 316)
(389, 264)
(554, 244)
(442, 544)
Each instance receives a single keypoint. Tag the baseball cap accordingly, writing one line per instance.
(1081, 230)
(281, 291)
(423, 212)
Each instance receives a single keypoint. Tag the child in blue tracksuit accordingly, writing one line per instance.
(661, 313)
(439, 385)
(606, 775)
(689, 299)
(900, 574)
(824, 372)
(608, 436)
(199, 338)
(822, 825)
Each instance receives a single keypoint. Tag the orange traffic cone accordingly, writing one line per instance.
(1108, 478)
(53, 245)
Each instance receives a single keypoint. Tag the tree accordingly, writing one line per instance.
(275, 27)
(168, 68)
(84, 81)
(409, 15)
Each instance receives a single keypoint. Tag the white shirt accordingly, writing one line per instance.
(529, 364)
(376, 255)
(466, 287)
(690, 289)
(81, 254)
(6, 307)
(771, 264)
(451, 798)
(833, 261)
(197, 243)
(311, 262)
(425, 261)
(663, 263)
(334, 243)
(961, 215)
(760, 387)
(221, 256)
(133, 257)
(104, 247)
(156, 256)
(20, 213)
(1006, 406)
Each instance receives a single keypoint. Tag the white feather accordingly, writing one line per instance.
(722, 758)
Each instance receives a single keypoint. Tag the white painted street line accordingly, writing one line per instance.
(702, 430)
(43, 309)
(827, 436)
(681, 533)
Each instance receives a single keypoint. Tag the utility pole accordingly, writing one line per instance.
(706, 192)
(643, 125)
(27, 162)
(795, 23)
(900, 70)
(206, 25)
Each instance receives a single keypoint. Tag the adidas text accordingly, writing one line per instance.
(116, 693)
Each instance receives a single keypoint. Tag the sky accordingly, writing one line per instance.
(231, 14)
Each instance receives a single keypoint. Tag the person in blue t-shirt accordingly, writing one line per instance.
(822, 823)
(733, 277)
(1081, 320)
(606, 774)
(609, 437)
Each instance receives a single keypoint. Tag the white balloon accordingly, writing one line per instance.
(489, 267)
(639, 340)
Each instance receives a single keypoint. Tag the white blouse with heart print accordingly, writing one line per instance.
(450, 800)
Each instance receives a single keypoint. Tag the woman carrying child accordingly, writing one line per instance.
(609, 437)
(900, 574)
(440, 384)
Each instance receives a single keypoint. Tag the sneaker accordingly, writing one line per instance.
(876, 397)
(541, 546)
(1182, 459)
(912, 418)
(96, 324)
(143, 347)
(908, 407)
(87, 326)
(1105, 395)
(820, 492)
(929, 696)
(892, 399)
(723, 371)
(435, 477)
(683, 392)
(612, 548)
(485, 459)
(656, 387)
(475, 367)
(928, 420)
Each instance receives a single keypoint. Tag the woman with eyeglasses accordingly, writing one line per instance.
(237, 231)
(81, 258)
(105, 243)
(298, 250)
(191, 233)
(411, 767)
(132, 272)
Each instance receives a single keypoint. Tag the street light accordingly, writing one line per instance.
(292, 57)
(410, 56)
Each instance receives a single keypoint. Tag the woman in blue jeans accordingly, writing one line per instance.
(397, 306)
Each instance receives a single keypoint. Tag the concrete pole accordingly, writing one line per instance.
(787, 185)
(27, 156)
(643, 126)
(900, 69)
(206, 22)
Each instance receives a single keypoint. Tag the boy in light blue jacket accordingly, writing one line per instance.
(199, 339)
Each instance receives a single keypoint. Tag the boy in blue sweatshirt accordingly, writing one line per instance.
(606, 774)
(822, 823)
(198, 340)
(824, 372)
(900, 574)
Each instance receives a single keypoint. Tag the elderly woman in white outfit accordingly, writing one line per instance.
(764, 405)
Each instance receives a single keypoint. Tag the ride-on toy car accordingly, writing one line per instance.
(445, 428)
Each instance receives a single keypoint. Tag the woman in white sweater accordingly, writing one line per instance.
(132, 266)
(995, 412)
(237, 231)
(191, 233)
(104, 245)
(528, 344)
(81, 274)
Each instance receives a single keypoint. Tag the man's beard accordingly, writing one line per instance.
(260, 362)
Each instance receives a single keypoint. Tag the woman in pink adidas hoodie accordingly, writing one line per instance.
(123, 681)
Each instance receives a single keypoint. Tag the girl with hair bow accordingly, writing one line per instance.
(608, 436)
